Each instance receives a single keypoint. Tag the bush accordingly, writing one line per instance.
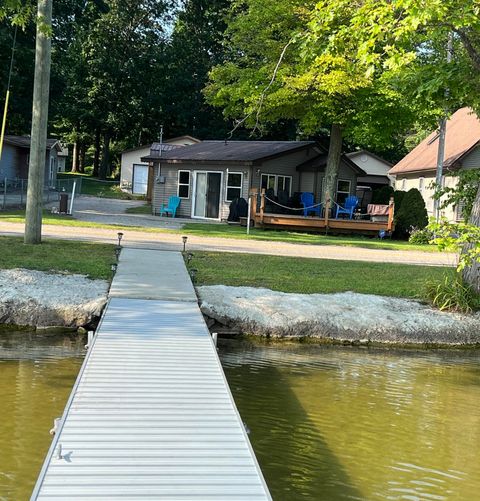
(382, 195)
(418, 236)
(398, 198)
(411, 214)
(452, 294)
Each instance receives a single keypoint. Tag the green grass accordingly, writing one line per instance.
(142, 209)
(231, 231)
(98, 188)
(308, 276)
(91, 259)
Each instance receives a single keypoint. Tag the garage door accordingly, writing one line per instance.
(140, 179)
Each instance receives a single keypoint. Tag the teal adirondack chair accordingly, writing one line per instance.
(171, 208)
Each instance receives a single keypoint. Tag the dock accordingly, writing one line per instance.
(151, 415)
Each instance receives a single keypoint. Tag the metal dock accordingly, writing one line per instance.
(151, 415)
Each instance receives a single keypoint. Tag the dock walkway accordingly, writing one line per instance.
(151, 415)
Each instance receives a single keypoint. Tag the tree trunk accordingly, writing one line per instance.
(103, 170)
(471, 274)
(81, 158)
(38, 141)
(96, 155)
(75, 157)
(333, 163)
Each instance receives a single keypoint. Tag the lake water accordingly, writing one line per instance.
(36, 376)
(335, 423)
(327, 423)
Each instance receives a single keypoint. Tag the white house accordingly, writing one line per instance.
(134, 173)
(462, 151)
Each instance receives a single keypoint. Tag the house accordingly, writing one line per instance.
(462, 151)
(207, 176)
(16, 156)
(377, 176)
(62, 158)
(134, 174)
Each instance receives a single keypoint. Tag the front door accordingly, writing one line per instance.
(207, 194)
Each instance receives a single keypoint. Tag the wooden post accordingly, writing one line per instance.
(327, 211)
(38, 141)
(262, 205)
(391, 213)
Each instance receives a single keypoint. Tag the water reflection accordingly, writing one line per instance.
(36, 376)
(347, 423)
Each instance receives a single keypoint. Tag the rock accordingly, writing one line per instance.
(40, 299)
(346, 317)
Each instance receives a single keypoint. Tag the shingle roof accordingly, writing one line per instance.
(24, 141)
(320, 162)
(462, 134)
(246, 152)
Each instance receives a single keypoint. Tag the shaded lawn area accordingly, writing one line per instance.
(308, 276)
(231, 231)
(86, 258)
(142, 209)
(99, 188)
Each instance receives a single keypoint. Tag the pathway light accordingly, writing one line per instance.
(184, 239)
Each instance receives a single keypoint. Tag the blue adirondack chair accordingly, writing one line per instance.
(348, 207)
(171, 208)
(307, 201)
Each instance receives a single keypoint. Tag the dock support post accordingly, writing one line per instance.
(327, 212)
(391, 213)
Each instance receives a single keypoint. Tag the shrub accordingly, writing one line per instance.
(411, 214)
(382, 195)
(398, 198)
(452, 294)
(421, 236)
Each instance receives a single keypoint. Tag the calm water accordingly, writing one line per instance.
(346, 423)
(36, 376)
(326, 423)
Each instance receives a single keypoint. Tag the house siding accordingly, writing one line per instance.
(162, 192)
(472, 160)
(126, 165)
(9, 162)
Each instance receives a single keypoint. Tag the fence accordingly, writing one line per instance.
(13, 192)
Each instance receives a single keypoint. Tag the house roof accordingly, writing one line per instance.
(320, 161)
(462, 135)
(244, 152)
(166, 141)
(24, 142)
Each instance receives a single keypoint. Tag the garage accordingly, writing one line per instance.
(140, 179)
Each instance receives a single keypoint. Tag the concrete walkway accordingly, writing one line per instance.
(173, 241)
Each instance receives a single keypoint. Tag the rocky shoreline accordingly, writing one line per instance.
(342, 317)
(42, 300)
(52, 301)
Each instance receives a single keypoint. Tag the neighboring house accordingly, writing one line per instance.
(16, 156)
(134, 174)
(462, 151)
(209, 175)
(62, 158)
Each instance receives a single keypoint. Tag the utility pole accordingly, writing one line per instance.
(38, 141)
(441, 141)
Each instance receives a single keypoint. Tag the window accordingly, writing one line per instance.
(234, 185)
(421, 183)
(184, 183)
(404, 184)
(275, 182)
(343, 190)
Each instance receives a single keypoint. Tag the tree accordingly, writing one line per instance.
(282, 66)
(38, 146)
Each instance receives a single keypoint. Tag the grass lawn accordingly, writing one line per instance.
(310, 276)
(90, 259)
(98, 188)
(231, 231)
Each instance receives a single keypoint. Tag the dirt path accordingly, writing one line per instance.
(173, 241)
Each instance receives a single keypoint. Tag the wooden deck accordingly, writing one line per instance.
(262, 219)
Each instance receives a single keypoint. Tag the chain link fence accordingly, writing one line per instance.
(13, 192)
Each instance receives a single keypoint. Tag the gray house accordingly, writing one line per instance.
(16, 155)
(207, 176)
